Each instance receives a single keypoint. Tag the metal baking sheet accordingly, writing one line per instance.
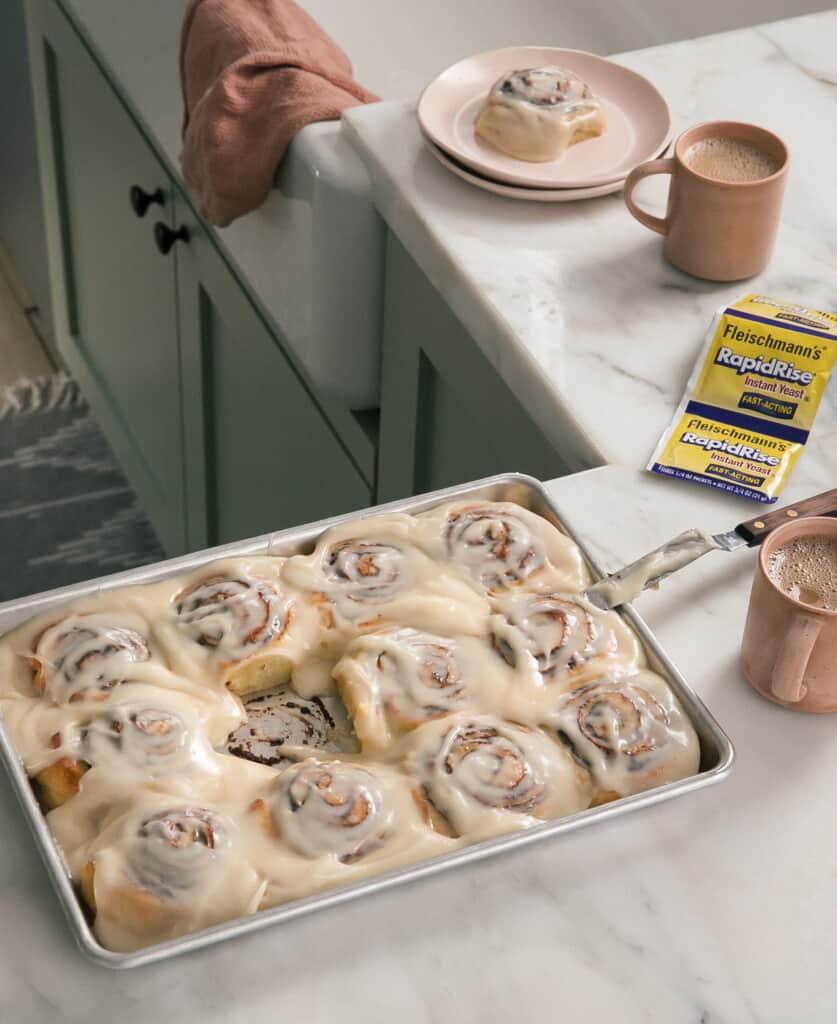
(716, 749)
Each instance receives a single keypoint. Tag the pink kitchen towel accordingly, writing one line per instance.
(253, 72)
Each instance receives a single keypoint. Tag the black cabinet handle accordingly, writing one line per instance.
(165, 238)
(141, 200)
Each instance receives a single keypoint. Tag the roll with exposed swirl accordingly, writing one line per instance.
(536, 114)
(566, 637)
(500, 545)
(371, 573)
(242, 623)
(482, 776)
(162, 870)
(630, 732)
(391, 681)
(282, 727)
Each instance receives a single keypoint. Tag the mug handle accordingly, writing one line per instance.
(665, 166)
(792, 660)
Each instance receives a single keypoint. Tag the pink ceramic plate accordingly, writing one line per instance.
(638, 118)
(538, 195)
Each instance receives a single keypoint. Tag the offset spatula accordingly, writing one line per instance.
(648, 571)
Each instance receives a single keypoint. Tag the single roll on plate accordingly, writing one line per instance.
(536, 114)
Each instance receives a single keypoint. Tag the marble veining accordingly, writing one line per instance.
(573, 303)
(714, 907)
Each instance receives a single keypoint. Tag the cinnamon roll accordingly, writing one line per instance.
(84, 657)
(243, 624)
(392, 681)
(163, 870)
(366, 574)
(138, 740)
(566, 637)
(500, 545)
(536, 114)
(479, 775)
(630, 733)
(282, 727)
(329, 808)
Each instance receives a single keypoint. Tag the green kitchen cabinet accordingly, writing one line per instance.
(259, 453)
(208, 415)
(114, 295)
(446, 414)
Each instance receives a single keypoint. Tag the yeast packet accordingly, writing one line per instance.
(752, 398)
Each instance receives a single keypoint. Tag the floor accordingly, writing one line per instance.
(21, 352)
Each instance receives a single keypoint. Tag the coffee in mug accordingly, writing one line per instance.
(789, 648)
(724, 200)
(730, 160)
(805, 568)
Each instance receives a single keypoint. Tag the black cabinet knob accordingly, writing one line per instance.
(141, 200)
(165, 238)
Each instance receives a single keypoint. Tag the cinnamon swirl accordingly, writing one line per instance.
(140, 741)
(163, 870)
(391, 681)
(242, 623)
(501, 545)
(536, 114)
(479, 775)
(84, 657)
(630, 732)
(329, 808)
(282, 727)
(367, 574)
(567, 638)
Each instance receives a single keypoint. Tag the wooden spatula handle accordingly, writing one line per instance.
(755, 530)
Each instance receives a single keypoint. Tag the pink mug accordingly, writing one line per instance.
(789, 649)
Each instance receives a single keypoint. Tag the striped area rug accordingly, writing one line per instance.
(67, 513)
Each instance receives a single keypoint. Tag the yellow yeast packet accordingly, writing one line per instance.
(752, 398)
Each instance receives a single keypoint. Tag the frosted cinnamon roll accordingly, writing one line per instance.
(479, 776)
(160, 871)
(242, 623)
(282, 727)
(501, 545)
(391, 681)
(536, 114)
(138, 741)
(630, 732)
(84, 657)
(566, 637)
(366, 574)
(329, 808)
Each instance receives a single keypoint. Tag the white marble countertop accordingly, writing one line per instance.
(573, 302)
(717, 907)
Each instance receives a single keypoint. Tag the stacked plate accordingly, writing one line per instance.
(639, 126)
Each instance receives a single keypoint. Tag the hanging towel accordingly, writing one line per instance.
(253, 73)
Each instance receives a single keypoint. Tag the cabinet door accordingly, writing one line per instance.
(446, 414)
(259, 454)
(117, 328)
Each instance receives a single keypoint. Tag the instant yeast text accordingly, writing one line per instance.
(752, 398)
